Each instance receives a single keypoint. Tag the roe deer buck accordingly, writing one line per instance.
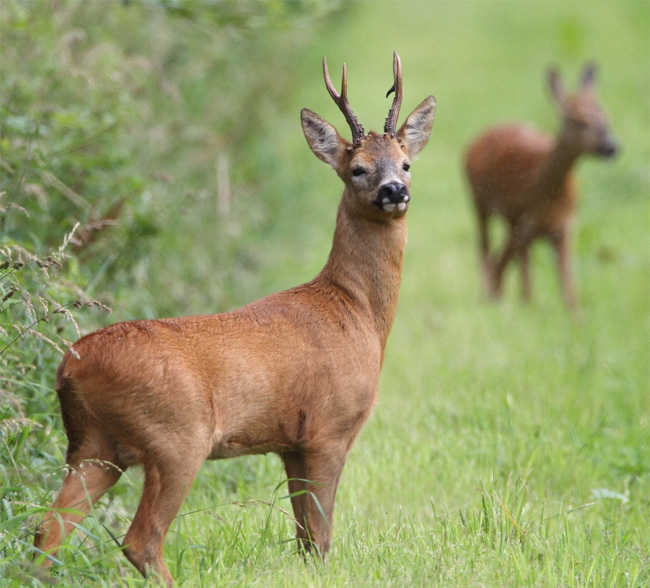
(526, 177)
(295, 373)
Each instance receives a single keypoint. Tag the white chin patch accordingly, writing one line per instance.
(388, 206)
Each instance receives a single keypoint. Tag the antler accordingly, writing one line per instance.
(393, 113)
(342, 102)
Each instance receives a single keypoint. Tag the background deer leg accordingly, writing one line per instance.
(561, 245)
(509, 252)
(484, 252)
(165, 487)
(524, 259)
(84, 484)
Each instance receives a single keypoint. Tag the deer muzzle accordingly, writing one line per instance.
(392, 196)
(608, 148)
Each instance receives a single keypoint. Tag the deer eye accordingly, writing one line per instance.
(358, 171)
(406, 166)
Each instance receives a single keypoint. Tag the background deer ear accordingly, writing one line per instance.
(323, 139)
(588, 76)
(556, 86)
(415, 131)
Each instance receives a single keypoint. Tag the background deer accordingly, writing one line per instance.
(295, 373)
(526, 177)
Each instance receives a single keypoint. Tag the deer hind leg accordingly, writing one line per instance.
(484, 252)
(509, 251)
(524, 259)
(167, 482)
(91, 471)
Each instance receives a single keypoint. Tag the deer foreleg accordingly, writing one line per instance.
(323, 470)
(563, 258)
(295, 466)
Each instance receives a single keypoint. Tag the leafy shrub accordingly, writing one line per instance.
(112, 121)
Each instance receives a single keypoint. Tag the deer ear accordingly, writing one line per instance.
(414, 133)
(323, 139)
(588, 76)
(556, 86)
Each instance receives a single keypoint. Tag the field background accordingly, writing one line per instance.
(511, 443)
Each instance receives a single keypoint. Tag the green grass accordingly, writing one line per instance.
(511, 444)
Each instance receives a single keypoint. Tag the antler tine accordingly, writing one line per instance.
(341, 101)
(393, 113)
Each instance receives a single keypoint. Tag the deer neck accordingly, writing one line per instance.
(556, 169)
(365, 265)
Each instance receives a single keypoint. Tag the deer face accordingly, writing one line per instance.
(379, 174)
(376, 171)
(377, 177)
(374, 167)
(586, 127)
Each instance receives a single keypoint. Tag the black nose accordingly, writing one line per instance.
(608, 148)
(392, 196)
(393, 193)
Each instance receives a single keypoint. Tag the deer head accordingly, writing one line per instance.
(374, 167)
(586, 128)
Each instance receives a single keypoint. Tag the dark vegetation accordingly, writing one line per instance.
(114, 149)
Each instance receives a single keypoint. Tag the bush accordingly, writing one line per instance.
(113, 120)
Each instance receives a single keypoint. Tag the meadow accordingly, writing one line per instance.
(511, 442)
